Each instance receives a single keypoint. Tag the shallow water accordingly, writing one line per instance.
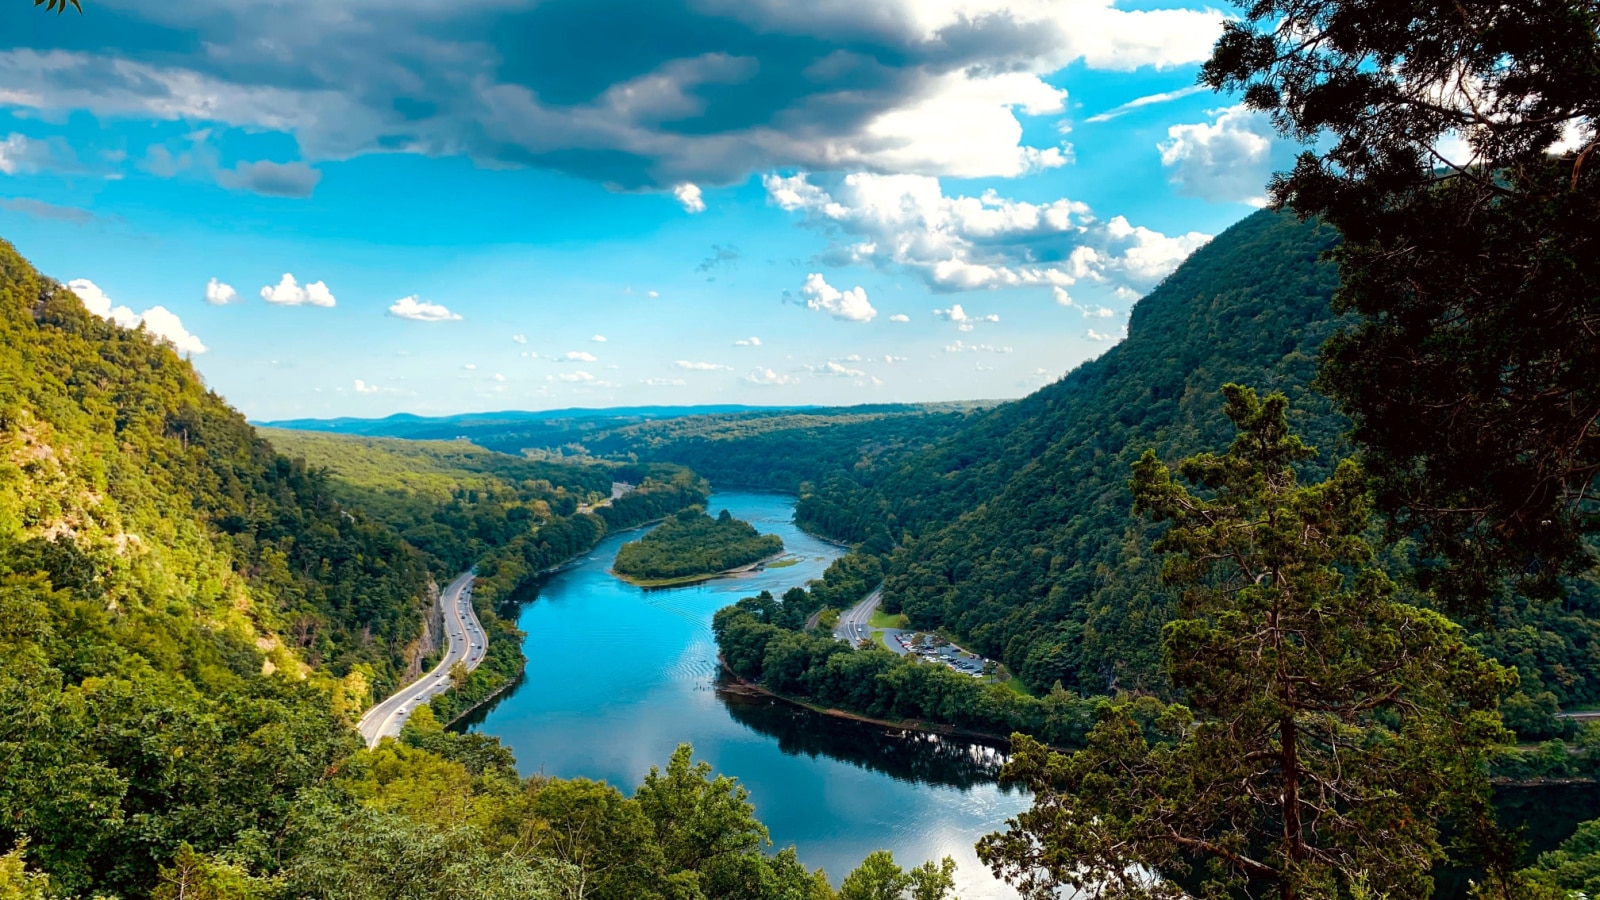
(618, 676)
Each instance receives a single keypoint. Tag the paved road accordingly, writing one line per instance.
(466, 644)
(852, 625)
(1582, 715)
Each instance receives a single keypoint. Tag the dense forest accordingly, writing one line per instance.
(692, 544)
(190, 624)
(1015, 532)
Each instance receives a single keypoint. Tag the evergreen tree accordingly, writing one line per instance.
(1473, 374)
(1330, 725)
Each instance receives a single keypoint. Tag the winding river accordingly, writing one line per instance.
(618, 676)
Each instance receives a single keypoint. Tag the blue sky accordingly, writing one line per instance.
(514, 204)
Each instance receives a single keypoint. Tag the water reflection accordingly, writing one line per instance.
(905, 755)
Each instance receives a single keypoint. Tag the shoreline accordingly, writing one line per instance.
(742, 685)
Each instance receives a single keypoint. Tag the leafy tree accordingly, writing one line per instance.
(1472, 376)
(17, 882)
(880, 878)
(1330, 726)
(1569, 872)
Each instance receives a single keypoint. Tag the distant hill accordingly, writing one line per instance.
(508, 426)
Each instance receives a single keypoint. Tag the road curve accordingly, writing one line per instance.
(853, 622)
(466, 644)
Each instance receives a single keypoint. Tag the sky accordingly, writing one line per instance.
(373, 206)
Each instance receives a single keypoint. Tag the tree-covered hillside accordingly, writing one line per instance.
(1015, 530)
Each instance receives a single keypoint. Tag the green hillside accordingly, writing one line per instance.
(1015, 529)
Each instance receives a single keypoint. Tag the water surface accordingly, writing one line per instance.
(619, 675)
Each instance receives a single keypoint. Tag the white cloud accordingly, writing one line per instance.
(850, 305)
(1150, 255)
(1061, 295)
(164, 324)
(689, 195)
(652, 294)
(519, 338)
(702, 366)
(959, 347)
(499, 377)
(895, 359)
(598, 339)
(580, 356)
(962, 320)
(363, 388)
(1228, 160)
(1093, 335)
(158, 321)
(963, 243)
(748, 342)
(418, 310)
(1149, 100)
(663, 382)
(768, 377)
(220, 294)
(899, 317)
(574, 377)
(1098, 312)
(470, 366)
(288, 292)
(833, 367)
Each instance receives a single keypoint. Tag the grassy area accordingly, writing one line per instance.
(784, 563)
(878, 636)
(1016, 686)
(881, 619)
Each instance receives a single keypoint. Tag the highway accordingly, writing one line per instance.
(852, 625)
(466, 644)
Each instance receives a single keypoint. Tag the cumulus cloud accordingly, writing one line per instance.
(574, 377)
(768, 377)
(519, 338)
(1229, 159)
(962, 320)
(295, 179)
(418, 310)
(598, 339)
(1093, 335)
(579, 356)
(966, 243)
(652, 294)
(748, 342)
(702, 366)
(689, 195)
(288, 292)
(713, 89)
(663, 382)
(361, 387)
(850, 305)
(219, 293)
(899, 317)
(158, 321)
(959, 347)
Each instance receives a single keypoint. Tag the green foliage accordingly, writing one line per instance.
(875, 682)
(1570, 872)
(1329, 726)
(880, 878)
(1475, 278)
(17, 882)
(691, 544)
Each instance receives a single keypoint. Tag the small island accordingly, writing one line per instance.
(692, 546)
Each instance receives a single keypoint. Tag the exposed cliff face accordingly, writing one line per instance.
(431, 640)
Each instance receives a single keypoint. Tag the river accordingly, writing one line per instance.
(618, 676)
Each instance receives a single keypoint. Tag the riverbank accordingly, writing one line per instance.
(750, 688)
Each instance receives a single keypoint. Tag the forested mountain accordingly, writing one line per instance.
(189, 625)
(1015, 530)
